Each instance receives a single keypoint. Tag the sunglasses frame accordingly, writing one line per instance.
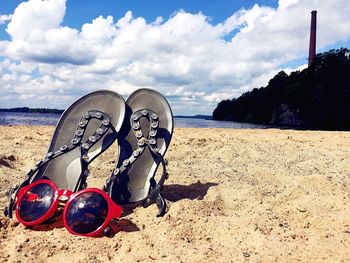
(114, 210)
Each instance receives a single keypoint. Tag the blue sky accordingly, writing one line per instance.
(81, 11)
(197, 54)
(150, 10)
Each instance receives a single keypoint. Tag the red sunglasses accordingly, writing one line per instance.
(86, 213)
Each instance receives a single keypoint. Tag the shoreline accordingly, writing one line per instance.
(204, 128)
(236, 194)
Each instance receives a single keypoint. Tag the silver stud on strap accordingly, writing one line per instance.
(86, 146)
(154, 125)
(64, 148)
(135, 117)
(87, 116)
(79, 133)
(154, 116)
(106, 122)
(153, 133)
(100, 131)
(141, 143)
(152, 141)
(98, 115)
(75, 140)
(49, 155)
(82, 123)
(126, 162)
(92, 138)
(144, 112)
(116, 171)
(136, 126)
(85, 157)
(135, 153)
(139, 134)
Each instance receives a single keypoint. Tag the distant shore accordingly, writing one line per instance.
(33, 110)
(58, 111)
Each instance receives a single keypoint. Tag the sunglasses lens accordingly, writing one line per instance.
(87, 212)
(36, 202)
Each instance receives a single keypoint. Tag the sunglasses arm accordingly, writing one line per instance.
(116, 210)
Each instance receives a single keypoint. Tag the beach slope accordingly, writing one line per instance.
(258, 195)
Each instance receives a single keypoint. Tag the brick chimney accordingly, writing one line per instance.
(312, 48)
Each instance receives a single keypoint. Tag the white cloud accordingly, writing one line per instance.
(36, 15)
(284, 4)
(193, 62)
(4, 18)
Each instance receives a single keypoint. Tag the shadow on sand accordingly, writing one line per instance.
(176, 192)
(124, 225)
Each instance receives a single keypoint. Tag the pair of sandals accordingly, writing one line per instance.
(143, 127)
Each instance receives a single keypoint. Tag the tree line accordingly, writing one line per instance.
(34, 110)
(317, 97)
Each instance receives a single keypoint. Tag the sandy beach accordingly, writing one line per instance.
(236, 195)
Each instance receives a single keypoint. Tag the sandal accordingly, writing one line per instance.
(85, 130)
(143, 143)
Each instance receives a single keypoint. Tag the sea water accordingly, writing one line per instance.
(24, 118)
(20, 118)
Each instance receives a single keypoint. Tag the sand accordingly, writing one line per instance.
(236, 195)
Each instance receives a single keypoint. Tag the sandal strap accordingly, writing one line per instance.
(105, 124)
(154, 195)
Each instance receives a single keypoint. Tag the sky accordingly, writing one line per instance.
(196, 53)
